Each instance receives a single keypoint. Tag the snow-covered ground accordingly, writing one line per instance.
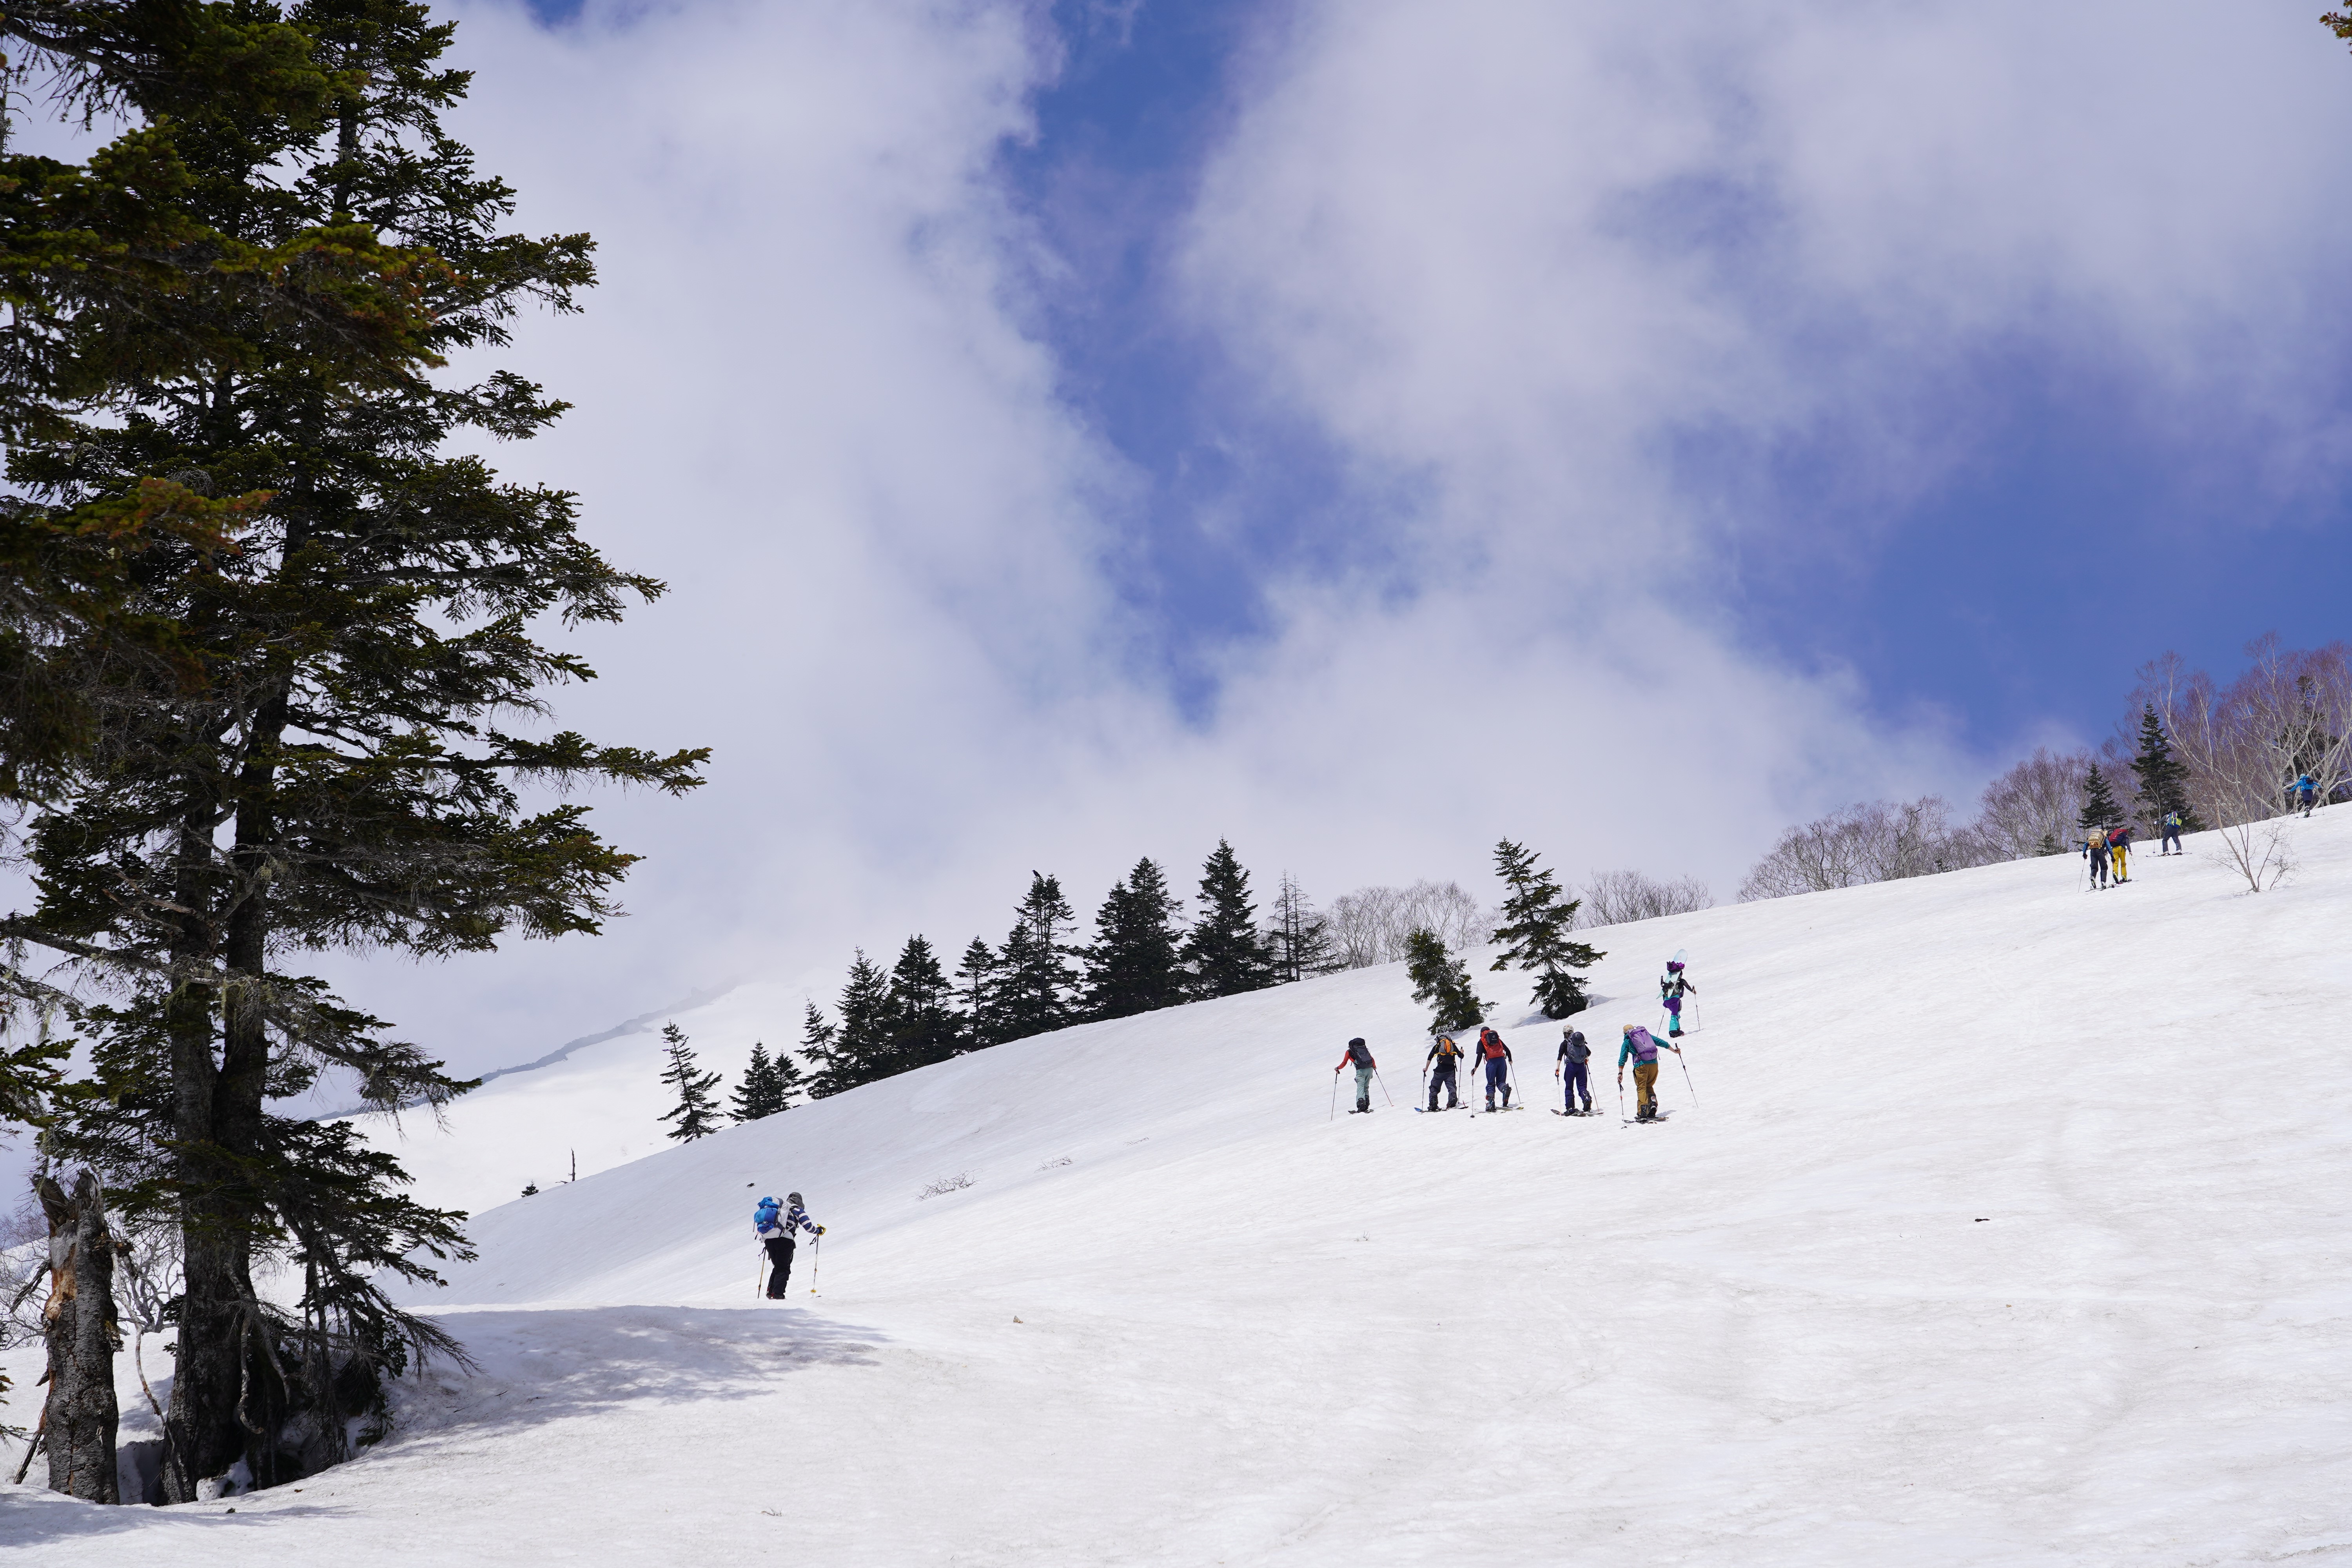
(2008, 1226)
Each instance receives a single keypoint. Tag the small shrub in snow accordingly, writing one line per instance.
(944, 1184)
(2258, 851)
(1050, 1164)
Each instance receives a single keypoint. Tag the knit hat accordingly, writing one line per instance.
(794, 1198)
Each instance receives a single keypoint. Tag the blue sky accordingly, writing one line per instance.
(2078, 534)
(1363, 430)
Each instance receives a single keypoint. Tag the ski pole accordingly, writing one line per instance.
(1384, 1088)
(758, 1262)
(1335, 1096)
(816, 1255)
(1686, 1078)
(1621, 1097)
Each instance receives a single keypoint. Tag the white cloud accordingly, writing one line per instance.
(1448, 237)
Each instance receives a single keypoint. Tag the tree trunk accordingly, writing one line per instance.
(201, 1436)
(80, 1417)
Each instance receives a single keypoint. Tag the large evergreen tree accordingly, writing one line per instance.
(2099, 807)
(2163, 777)
(768, 1086)
(818, 1035)
(1537, 918)
(975, 995)
(319, 763)
(859, 1048)
(1034, 980)
(1223, 954)
(1441, 980)
(1298, 939)
(1132, 966)
(696, 1113)
(923, 1025)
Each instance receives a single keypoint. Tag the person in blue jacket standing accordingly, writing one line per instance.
(2306, 790)
(774, 1229)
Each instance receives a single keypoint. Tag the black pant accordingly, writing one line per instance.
(2172, 840)
(779, 1253)
(1443, 1075)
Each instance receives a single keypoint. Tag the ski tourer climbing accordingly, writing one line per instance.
(2307, 792)
(1641, 1047)
(1574, 1055)
(2094, 853)
(1442, 1065)
(1499, 1067)
(1670, 991)
(1360, 1056)
(2119, 852)
(775, 1228)
(2171, 845)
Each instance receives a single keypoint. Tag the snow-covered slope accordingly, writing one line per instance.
(2007, 1226)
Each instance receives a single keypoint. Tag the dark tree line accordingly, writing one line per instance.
(1144, 955)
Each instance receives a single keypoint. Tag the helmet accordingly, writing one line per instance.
(794, 1198)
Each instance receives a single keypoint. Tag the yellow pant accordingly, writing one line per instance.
(2118, 853)
(1646, 1085)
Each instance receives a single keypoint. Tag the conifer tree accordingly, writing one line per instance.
(818, 1038)
(2049, 844)
(2163, 777)
(1223, 954)
(768, 1084)
(975, 995)
(696, 1113)
(1298, 939)
(1441, 980)
(316, 764)
(1034, 979)
(2099, 808)
(923, 1027)
(858, 1051)
(1537, 919)
(1132, 966)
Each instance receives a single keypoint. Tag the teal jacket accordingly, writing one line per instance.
(1628, 1052)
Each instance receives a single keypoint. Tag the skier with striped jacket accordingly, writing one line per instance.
(775, 1229)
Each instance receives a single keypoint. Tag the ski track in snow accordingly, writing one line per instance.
(2009, 1228)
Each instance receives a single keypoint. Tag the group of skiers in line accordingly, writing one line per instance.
(1441, 1067)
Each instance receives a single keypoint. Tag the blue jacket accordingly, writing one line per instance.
(1638, 1046)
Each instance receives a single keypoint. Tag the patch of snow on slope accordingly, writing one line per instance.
(2007, 1226)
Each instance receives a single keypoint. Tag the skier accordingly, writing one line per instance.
(2307, 792)
(1362, 1055)
(2095, 851)
(1573, 1055)
(1641, 1049)
(776, 1230)
(1670, 991)
(1499, 1067)
(2171, 845)
(1444, 1062)
(2119, 847)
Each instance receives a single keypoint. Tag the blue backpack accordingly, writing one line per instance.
(765, 1215)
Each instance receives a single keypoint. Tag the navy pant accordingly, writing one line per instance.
(779, 1253)
(1443, 1075)
(1497, 1069)
(1577, 1084)
(2171, 838)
